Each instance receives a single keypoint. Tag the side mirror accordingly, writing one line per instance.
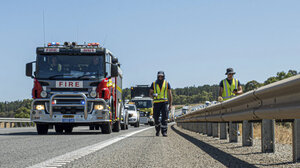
(29, 69)
(114, 70)
(114, 60)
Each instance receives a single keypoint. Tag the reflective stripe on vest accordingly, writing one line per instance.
(228, 89)
(162, 92)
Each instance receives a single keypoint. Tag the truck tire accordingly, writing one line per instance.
(68, 129)
(42, 129)
(97, 127)
(116, 127)
(151, 123)
(137, 124)
(92, 127)
(106, 128)
(123, 126)
(59, 129)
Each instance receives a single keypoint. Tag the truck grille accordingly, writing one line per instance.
(70, 109)
(69, 89)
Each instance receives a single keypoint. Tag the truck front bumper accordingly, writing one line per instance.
(47, 115)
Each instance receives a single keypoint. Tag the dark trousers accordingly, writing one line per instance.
(161, 109)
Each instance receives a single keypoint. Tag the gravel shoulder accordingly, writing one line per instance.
(183, 148)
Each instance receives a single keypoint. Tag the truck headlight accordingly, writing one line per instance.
(99, 107)
(93, 94)
(39, 107)
(43, 94)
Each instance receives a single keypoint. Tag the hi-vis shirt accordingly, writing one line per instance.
(162, 91)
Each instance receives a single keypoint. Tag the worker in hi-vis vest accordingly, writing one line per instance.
(160, 91)
(229, 87)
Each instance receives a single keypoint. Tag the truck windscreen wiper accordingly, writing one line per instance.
(58, 75)
(87, 75)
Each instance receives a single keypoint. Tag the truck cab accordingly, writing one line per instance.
(75, 85)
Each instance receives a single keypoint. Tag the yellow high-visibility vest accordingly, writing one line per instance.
(228, 89)
(162, 92)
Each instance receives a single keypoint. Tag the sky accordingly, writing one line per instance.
(192, 41)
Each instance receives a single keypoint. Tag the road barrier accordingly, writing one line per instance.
(15, 122)
(276, 101)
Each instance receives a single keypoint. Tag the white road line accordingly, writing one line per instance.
(79, 153)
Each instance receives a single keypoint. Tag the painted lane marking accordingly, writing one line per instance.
(79, 153)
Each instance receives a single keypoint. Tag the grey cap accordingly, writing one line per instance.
(160, 73)
(229, 71)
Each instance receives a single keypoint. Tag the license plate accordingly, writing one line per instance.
(69, 84)
(68, 120)
(68, 116)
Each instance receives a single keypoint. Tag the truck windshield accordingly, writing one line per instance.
(66, 66)
(143, 103)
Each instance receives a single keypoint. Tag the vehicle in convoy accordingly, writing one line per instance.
(124, 118)
(185, 110)
(75, 85)
(133, 115)
(140, 96)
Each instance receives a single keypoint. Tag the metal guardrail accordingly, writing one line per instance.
(15, 122)
(277, 101)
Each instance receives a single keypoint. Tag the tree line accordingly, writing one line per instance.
(181, 96)
(200, 94)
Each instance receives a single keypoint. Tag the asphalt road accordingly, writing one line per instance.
(22, 147)
(136, 147)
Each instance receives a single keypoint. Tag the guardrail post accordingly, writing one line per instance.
(223, 130)
(247, 132)
(296, 140)
(267, 136)
(215, 130)
(202, 127)
(197, 127)
(5, 124)
(209, 129)
(10, 125)
(233, 132)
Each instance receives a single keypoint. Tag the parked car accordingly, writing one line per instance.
(133, 114)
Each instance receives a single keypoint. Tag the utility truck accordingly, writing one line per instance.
(144, 103)
(75, 85)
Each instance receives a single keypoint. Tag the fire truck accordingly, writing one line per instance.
(75, 85)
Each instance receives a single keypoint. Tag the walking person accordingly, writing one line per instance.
(229, 87)
(160, 91)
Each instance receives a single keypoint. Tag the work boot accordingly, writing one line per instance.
(157, 127)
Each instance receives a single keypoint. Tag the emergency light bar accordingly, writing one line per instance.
(53, 44)
(93, 44)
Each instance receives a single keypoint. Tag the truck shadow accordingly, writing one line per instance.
(223, 157)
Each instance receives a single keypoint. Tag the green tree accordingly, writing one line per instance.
(251, 85)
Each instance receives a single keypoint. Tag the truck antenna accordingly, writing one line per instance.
(104, 40)
(44, 27)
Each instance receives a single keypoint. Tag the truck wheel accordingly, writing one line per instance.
(59, 129)
(137, 124)
(97, 127)
(151, 123)
(106, 128)
(116, 127)
(92, 127)
(123, 126)
(68, 129)
(42, 129)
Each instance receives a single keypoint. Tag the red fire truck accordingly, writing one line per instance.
(75, 85)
